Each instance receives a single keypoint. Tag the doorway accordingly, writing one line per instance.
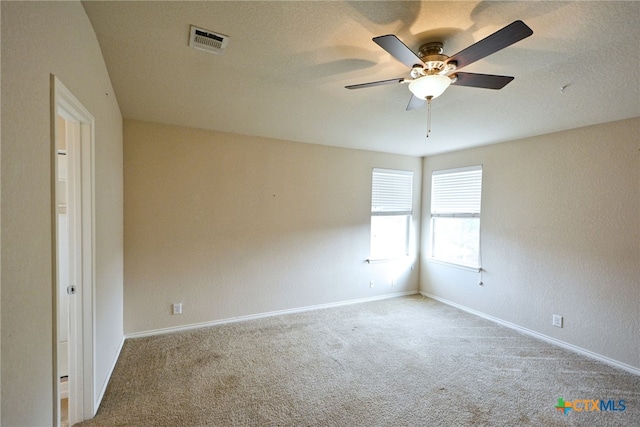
(73, 249)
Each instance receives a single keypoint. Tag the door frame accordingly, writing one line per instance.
(65, 104)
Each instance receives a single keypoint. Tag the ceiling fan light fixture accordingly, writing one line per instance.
(429, 87)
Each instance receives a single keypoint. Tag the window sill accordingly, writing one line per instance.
(382, 260)
(454, 265)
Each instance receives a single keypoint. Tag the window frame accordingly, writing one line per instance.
(468, 207)
(385, 201)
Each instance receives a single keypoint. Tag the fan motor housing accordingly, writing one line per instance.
(435, 62)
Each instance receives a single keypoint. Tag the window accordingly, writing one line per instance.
(391, 210)
(455, 215)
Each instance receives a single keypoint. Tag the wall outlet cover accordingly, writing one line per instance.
(177, 308)
(557, 320)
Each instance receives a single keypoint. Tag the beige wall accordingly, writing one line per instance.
(40, 39)
(560, 232)
(234, 225)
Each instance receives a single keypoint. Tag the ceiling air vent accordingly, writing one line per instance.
(207, 40)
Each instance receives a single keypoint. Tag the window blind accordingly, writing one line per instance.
(456, 191)
(391, 192)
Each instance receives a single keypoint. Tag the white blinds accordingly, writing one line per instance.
(456, 191)
(391, 192)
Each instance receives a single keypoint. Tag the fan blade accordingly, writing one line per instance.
(507, 36)
(485, 81)
(415, 103)
(378, 83)
(398, 50)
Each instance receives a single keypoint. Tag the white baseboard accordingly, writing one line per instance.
(263, 315)
(538, 335)
(103, 389)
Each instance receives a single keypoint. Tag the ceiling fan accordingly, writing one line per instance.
(432, 72)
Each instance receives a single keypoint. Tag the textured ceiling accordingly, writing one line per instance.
(286, 65)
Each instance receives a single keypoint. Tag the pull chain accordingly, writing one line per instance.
(429, 115)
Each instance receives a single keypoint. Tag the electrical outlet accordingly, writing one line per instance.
(557, 320)
(177, 308)
(371, 284)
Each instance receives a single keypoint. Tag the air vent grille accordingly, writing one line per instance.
(207, 40)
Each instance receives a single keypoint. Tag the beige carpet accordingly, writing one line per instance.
(407, 361)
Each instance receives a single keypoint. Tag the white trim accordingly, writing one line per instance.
(394, 171)
(103, 389)
(381, 260)
(457, 170)
(161, 331)
(534, 334)
(453, 264)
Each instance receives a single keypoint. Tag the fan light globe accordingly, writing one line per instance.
(431, 86)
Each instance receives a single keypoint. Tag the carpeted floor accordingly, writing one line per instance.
(407, 361)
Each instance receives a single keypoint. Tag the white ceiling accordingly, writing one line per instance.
(286, 65)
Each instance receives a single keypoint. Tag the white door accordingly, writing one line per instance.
(73, 130)
(63, 261)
